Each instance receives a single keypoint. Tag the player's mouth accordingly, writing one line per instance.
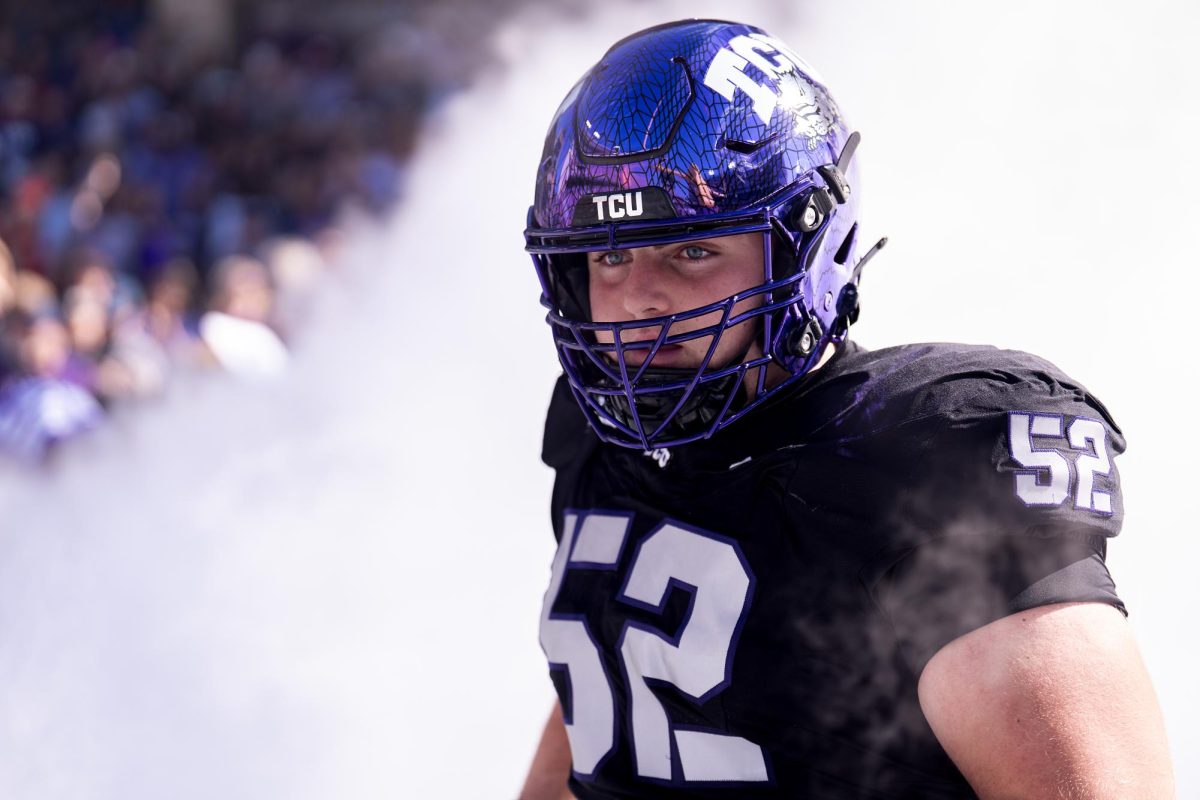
(669, 355)
(637, 351)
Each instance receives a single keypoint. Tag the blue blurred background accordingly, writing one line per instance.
(174, 175)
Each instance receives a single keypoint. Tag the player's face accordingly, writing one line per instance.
(647, 282)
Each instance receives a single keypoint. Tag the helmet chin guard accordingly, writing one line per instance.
(687, 131)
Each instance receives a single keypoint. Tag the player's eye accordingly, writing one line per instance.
(610, 259)
(695, 252)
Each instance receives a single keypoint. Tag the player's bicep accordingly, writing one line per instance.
(1050, 702)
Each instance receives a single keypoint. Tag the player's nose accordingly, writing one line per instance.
(644, 291)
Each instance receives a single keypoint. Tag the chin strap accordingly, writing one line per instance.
(806, 337)
(835, 174)
(805, 340)
(847, 302)
(836, 191)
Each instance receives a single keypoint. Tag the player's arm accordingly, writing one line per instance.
(1053, 702)
(547, 778)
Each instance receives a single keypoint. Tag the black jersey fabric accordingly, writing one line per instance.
(876, 506)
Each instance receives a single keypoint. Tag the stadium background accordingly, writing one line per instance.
(319, 574)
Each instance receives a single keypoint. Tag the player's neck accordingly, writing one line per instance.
(775, 373)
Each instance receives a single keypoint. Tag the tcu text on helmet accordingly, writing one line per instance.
(619, 205)
(773, 58)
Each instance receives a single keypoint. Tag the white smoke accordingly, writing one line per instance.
(329, 586)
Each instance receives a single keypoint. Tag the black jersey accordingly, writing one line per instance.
(748, 616)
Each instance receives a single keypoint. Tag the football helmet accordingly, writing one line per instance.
(690, 130)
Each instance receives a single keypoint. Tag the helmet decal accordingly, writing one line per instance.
(788, 84)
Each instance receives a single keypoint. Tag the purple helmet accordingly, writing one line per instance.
(690, 130)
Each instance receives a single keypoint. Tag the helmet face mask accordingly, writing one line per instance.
(691, 131)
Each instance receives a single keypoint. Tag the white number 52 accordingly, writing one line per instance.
(1046, 479)
(697, 661)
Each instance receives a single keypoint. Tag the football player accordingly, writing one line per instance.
(789, 566)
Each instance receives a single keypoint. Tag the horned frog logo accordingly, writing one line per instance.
(789, 87)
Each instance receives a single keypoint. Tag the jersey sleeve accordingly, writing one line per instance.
(1010, 494)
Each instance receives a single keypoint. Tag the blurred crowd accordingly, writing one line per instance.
(159, 207)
